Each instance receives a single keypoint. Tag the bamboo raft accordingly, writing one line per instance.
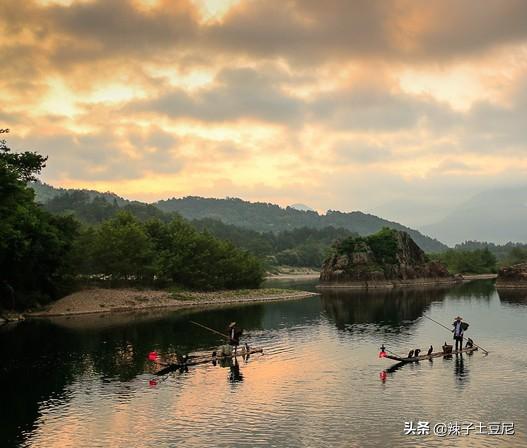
(205, 359)
(432, 355)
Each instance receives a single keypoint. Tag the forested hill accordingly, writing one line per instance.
(257, 216)
(45, 192)
(264, 217)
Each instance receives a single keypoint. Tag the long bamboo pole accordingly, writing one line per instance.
(208, 328)
(439, 323)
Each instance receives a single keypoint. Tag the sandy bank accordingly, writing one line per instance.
(479, 276)
(293, 273)
(115, 300)
(311, 276)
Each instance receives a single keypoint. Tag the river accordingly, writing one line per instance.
(86, 381)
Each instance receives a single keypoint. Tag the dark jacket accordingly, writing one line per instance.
(458, 329)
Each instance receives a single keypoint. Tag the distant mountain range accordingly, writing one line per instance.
(264, 217)
(497, 216)
(258, 216)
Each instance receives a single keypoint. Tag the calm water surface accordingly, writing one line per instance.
(85, 382)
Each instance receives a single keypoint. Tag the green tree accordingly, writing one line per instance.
(198, 260)
(122, 249)
(34, 245)
(479, 261)
(516, 255)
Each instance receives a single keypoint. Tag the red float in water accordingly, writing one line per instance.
(152, 383)
(382, 354)
(152, 356)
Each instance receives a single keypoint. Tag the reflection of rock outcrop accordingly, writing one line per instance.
(512, 276)
(386, 259)
(480, 289)
(383, 307)
(517, 296)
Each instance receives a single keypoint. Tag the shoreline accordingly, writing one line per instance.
(470, 277)
(391, 284)
(310, 276)
(99, 300)
(94, 301)
(395, 284)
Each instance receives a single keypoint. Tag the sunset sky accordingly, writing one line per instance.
(401, 108)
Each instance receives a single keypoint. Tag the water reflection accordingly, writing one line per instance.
(459, 368)
(479, 289)
(513, 296)
(42, 358)
(87, 381)
(235, 375)
(392, 308)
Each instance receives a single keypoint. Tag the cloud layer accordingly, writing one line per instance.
(399, 107)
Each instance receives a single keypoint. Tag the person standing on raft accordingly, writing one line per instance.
(234, 336)
(459, 328)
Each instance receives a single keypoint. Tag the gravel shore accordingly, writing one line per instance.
(114, 300)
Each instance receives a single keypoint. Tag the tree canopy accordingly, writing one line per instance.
(34, 245)
(479, 261)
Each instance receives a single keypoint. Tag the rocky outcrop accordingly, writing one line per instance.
(512, 276)
(387, 259)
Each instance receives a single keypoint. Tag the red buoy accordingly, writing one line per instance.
(152, 383)
(152, 356)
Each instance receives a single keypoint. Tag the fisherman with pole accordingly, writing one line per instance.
(464, 326)
(458, 332)
(234, 336)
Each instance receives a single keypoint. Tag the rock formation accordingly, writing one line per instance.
(512, 276)
(386, 259)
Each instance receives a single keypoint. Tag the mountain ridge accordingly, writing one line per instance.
(259, 216)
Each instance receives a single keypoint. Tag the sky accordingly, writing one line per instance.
(401, 108)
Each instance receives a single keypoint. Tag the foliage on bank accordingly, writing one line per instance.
(506, 254)
(123, 248)
(34, 244)
(300, 247)
(479, 261)
(42, 253)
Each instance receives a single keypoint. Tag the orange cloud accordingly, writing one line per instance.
(278, 101)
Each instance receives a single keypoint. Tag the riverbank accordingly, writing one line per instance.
(470, 277)
(420, 282)
(100, 300)
(6, 317)
(311, 276)
(293, 273)
(392, 284)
